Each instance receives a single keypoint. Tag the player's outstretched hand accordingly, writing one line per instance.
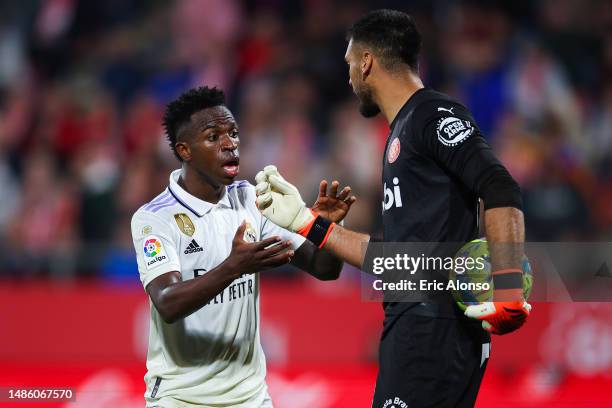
(280, 201)
(500, 317)
(332, 205)
(251, 257)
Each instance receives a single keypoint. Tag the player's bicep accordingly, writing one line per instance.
(156, 287)
(466, 155)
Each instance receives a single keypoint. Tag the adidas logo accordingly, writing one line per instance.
(193, 247)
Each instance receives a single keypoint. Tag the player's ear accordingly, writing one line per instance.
(183, 150)
(366, 64)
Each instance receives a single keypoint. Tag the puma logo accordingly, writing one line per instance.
(446, 110)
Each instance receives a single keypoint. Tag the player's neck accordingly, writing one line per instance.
(199, 186)
(395, 92)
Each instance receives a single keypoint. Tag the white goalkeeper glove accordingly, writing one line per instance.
(281, 202)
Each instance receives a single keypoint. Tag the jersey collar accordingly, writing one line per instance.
(408, 105)
(191, 202)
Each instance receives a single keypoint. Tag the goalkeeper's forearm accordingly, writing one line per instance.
(505, 232)
(347, 245)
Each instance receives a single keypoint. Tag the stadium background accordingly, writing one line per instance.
(82, 88)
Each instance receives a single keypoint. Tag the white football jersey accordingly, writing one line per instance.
(212, 357)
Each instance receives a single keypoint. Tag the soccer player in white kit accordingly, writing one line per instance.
(199, 245)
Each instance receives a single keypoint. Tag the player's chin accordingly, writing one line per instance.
(368, 109)
(229, 173)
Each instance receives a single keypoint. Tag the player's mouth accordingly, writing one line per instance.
(231, 167)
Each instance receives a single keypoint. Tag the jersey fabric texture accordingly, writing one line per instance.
(213, 357)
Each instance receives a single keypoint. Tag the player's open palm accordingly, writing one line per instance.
(251, 257)
(332, 205)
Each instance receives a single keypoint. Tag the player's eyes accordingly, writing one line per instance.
(213, 137)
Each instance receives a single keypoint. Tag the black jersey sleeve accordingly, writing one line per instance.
(449, 135)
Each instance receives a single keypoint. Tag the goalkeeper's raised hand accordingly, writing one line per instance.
(332, 205)
(281, 202)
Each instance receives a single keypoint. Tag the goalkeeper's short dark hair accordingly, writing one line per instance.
(392, 35)
(178, 112)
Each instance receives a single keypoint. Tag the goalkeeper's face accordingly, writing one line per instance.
(358, 69)
(211, 146)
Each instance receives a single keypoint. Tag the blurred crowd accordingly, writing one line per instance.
(83, 85)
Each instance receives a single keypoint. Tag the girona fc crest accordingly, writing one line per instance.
(394, 150)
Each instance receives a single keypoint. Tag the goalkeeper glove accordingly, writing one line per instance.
(500, 317)
(281, 202)
(509, 310)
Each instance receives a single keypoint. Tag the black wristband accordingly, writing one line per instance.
(318, 231)
(512, 280)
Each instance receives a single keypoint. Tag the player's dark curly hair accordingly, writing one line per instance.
(393, 36)
(178, 112)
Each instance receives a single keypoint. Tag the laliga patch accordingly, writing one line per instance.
(154, 253)
(394, 150)
(452, 131)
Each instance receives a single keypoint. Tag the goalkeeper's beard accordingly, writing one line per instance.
(367, 107)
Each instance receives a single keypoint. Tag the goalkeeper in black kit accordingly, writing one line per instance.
(436, 168)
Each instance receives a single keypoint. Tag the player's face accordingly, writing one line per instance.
(213, 149)
(367, 107)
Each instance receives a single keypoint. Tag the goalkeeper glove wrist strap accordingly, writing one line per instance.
(318, 230)
(508, 278)
(508, 284)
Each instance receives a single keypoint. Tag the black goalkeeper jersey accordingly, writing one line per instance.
(433, 160)
(436, 166)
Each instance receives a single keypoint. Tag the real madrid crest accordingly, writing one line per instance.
(184, 223)
(249, 234)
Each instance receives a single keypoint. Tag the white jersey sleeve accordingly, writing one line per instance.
(156, 246)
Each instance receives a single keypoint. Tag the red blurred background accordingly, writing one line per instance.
(320, 340)
(82, 88)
